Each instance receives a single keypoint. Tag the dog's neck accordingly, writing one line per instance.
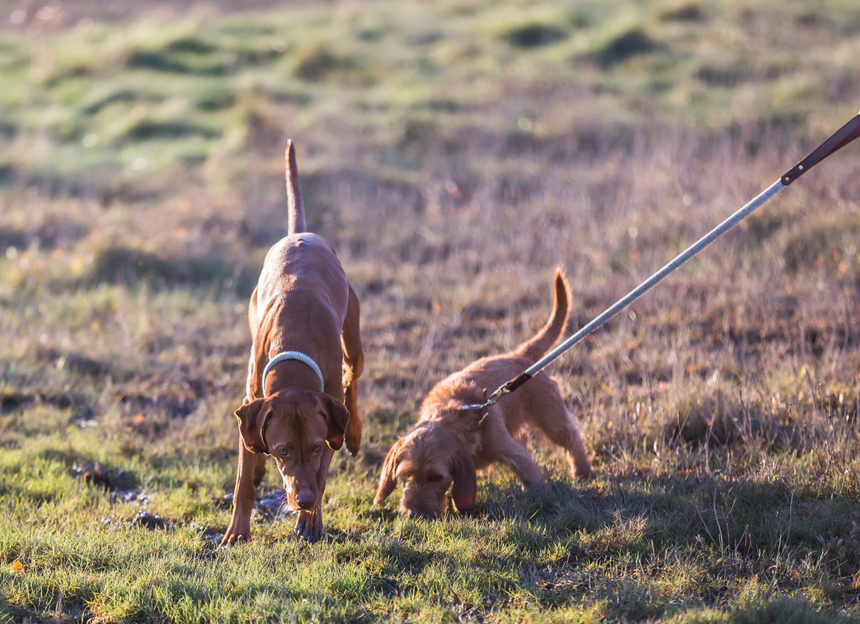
(291, 374)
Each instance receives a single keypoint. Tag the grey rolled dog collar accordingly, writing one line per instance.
(293, 355)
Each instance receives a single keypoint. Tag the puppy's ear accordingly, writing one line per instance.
(336, 418)
(388, 478)
(252, 421)
(465, 483)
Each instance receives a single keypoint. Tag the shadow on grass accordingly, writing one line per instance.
(13, 401)
(604, 543)
(737, 518)
(42, 475)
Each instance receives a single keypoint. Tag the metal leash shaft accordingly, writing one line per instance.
(659, 276)
(637, 292)
(845, 135)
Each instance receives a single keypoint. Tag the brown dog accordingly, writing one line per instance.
(449, 444)
(304, 319)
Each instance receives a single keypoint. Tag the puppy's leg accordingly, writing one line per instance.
(353, 366)
(309, 522)
(505, 449)
(243, 496)
(560, 427)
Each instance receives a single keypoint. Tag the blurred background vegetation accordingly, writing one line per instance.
(107, 101)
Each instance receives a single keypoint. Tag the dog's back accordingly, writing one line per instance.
(301, 261)
(305, 263)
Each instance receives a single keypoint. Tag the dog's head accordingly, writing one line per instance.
(297, 428)
(426, 463)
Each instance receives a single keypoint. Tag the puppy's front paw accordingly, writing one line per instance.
(541, 487)
(309, 525)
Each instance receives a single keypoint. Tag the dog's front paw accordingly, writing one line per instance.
(232, 536)
(309, 525)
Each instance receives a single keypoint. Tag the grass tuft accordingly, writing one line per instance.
(533, 35)
(315, 62)
(683, 12)
(618, 49)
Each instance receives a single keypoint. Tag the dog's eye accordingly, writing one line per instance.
(317, 449)
(283, 452)
(435, 478)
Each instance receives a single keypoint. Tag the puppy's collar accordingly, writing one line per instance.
(293, 355)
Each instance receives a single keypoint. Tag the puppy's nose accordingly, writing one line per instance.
(414, 513)
(306, 499)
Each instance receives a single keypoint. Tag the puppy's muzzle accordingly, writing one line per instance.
(414, 513)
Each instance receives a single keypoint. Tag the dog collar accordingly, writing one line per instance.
(293, 355)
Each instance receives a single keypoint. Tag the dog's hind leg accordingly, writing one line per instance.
(559, 426)
(353, 366)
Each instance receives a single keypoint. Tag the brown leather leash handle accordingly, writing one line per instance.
(840, 139)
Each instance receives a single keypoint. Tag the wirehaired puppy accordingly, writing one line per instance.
(448, 444)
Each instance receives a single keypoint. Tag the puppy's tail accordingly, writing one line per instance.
(552, 331)
(294, 192)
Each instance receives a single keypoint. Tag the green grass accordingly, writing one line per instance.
(453, 153)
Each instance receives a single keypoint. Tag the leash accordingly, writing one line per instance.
(292, 355)
(842, 137)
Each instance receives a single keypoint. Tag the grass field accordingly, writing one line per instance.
(453, 153)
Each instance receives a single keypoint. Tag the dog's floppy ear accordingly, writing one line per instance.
(252, 422)
(465, 483)
(336, 418)
(388, 478)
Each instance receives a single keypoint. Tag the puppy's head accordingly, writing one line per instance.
(297, 428)
(426, 463)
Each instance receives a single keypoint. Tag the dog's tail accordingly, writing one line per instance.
(552, 331)
(294, 192)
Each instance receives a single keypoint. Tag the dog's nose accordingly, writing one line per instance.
(305, 500)
(414, 513)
